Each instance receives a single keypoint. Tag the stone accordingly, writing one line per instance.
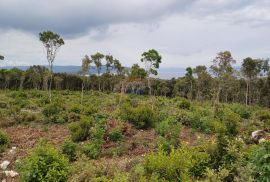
(11, 173)
(257, 135)
(4, 165)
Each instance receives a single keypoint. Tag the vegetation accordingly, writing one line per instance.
(44, 164)
(123, 125)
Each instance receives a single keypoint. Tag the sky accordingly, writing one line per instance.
(185, 32)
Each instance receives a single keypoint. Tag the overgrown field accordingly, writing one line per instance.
(119, 138)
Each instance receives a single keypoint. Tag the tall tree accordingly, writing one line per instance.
(97, 58)
(223, 70)
(151, 59)
(250, 69)
(86, 61)
(109, 63)
(52, 42)
(190, 79)
(118, 67)
(203, 82)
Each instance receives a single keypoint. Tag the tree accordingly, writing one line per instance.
(118, 67)
(2, 57)
(190, 79)
(52, 42)
(97, 61)
(109, 63)
(223, 70)
(137, 72)
(86, 61)
(203, 82)
(250, 69)
(151, 59)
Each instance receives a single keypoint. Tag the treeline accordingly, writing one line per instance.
(220, 83)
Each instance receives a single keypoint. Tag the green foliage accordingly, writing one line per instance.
(231, 121)
(44, 163)
(184, 104)
(52, 112)
(170, 130)
(179, 165)
(261, 159)
(80, 130)
(69, 149)
(243, 111)
(4, 141)
(115, 134)
(262, 115)
(142, 117)
(92, 149)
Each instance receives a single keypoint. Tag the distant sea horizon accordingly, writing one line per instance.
(163, 73)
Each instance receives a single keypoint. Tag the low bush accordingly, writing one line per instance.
(52, 113)
(169, 129)
(80, 131)
(179, 165)
(142, 117)
(184, 104)
(115, 134)
(92, 150)
(44, 163)
(70, 150)
(4, 141)
(262, 115)
(261, 160)
(243, 111)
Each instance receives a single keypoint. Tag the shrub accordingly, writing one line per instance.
(4, 141)
(241, 110)
(80, 130)
(52, 113)
(184, 104)
(69, 149)
(44, 163)
(179, 165)
(170, 129)
(115, 134)
(231, 121)
(262, 115)
(261, 160)
(92, 150)
(26, 117)
(142, 117)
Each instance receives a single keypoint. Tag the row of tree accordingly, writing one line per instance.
(221, 82)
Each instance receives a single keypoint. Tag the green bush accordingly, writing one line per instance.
(52, 112)
(44, 163)
(169, 129)
(243, 111)
(261, 160)
(262, 115)
(92, 150)
(179, 165)
(184, 104)
(69, 149)
(115, 134)
(4, 141)
(80, 131)
(142, 117)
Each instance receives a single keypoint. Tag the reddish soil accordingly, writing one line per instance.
(24, 138)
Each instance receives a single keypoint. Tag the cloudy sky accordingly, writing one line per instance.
(185, 32)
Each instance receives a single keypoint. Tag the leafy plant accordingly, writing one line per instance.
(44, 163)
(4, 141)
(69, 149)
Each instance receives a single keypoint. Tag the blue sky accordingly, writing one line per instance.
(185, 32)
